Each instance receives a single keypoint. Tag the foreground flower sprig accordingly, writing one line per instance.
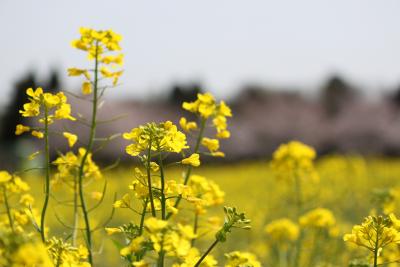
(155, 139)
(374, 234)
(172, 242)
(48, 107)
(232, 219)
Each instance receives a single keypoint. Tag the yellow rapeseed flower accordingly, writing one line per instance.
(37, 134)
(54, 105)
(318, 218)
(86, 88)
(294, 160)
(72, 138)
(206, 107)
(78, 72)
(163, 137)
(211, 144)
(238, 258)
(187, 126)
(375, 233)
(5, 176)
(154, 225)
(193, 160)
(282, 231)
(31, 254)
(20, 129)
(134, 246)
(112, 230)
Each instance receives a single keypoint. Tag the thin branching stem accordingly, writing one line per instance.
(163, 200)
(206, 253)
(195, 226)
(376, 246)
(47, 178)
(8, 209)
(143, 215)
(84, 159)
(163, 204)
(153, 209)
(299, 208)
(76, 212)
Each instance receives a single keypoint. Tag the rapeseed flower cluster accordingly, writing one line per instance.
(18, 250)
(203, 193)
(207, 108)
(319, 218)
(65, 255)
(160, 233)
(162, 137)
(375, 233)
(238, 258)
(294, 159)
(50, 106)
(282, 231)
(15, 197)
(98, 45)
(68, 167)
(47, 106)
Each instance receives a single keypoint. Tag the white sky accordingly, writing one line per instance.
(221, 43)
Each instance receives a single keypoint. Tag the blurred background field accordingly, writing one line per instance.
(288, 70)
(350, 186)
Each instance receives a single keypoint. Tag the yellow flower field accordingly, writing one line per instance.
(174, 209)
(350, 186)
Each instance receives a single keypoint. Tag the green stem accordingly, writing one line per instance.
(161, 254)
(76, 215)
(59, 257)
(299, 244)
(163, 205)
(282, 257)
(10, 220)
(190, 167)
(163, 200)
(84, 159)
(299, 200)
(195, 226)
(376, 250)
(142, 216)
(47, 178)
(161, 258)
(153, 209)
(299, 208)
(206, 253)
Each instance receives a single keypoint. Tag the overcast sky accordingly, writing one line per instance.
(222, 44)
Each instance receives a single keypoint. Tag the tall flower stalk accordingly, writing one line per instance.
(96, 44)
(48, 107)
(89, 148)
(294, 163)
